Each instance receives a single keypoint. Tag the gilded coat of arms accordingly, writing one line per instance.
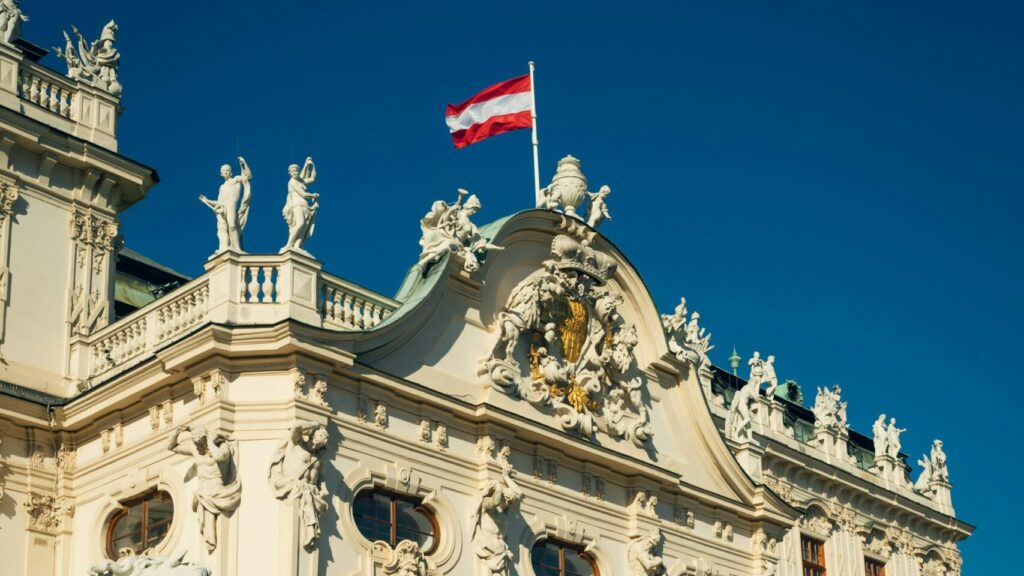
(562, 345)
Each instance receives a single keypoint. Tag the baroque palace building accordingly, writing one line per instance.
(520, 407)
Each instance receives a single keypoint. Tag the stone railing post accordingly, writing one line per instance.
(10, 73)
(297, 286)
(226, 288)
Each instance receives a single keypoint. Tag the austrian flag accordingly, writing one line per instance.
(500, 108)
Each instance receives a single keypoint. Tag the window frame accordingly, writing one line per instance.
(815, 568)
(142, 500)
(877, 562)
(562, 547)
(394, 498)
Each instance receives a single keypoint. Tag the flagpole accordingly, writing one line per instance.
(533, 113)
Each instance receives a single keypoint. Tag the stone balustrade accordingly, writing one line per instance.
(50, 97)
(47, 90)
(237, 289)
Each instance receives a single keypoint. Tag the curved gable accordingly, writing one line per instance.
(559, 331)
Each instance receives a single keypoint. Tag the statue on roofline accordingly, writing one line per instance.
(94, 63)
(232, 206)
(11, 18)
(300, 216)
(447, 228)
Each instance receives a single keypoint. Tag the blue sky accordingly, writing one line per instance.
(837, 184)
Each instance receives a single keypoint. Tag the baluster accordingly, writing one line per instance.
(359, 306)
(368, 311)
(65, 104)
(268, 284)
(337, 311)
(54, 98)
(347, 310)
(254, 283)
(33, 93)
(376, 314)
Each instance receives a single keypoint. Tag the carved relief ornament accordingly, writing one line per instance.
(578, 352)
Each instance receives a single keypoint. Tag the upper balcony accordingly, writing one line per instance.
(48, 97)
(238, 290)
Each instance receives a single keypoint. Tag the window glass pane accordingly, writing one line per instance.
(576, 565)
(143, 525)
(372, 511)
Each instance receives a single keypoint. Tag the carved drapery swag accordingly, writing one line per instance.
(577, 350)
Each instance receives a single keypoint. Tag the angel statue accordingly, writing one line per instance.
(295, 476)
(11, 18)
(490, 519)
(219, 490)
(232, 206)
(447, 228)
(300, 216)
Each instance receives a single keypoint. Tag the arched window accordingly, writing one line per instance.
(391, 517)
(554, 558)
(142, 524)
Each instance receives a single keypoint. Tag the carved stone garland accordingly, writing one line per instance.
(578, 350)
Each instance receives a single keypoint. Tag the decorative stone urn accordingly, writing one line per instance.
(569, 186)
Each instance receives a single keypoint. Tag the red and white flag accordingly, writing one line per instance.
(497, 109)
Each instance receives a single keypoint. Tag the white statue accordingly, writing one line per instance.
(641, 555)
(881, 434)
(893, 445)
(598, 210)
(11, 18)
(95, 63)
(769, 377)
(232, 206)
(756, 370)
(300, 216)
(939, 471)
(219, 489)
(447, 229)
(676, 321)
(829, 411)
(923, 482)
(295, 475)
(497, 502)
(740, 418)
(568, 189)
(70, 57)
(130, 564)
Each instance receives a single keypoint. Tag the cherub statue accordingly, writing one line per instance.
(447, 228)
(598, 211)
(219, 490)
(11, 18)
(300, 216)
(232, 206)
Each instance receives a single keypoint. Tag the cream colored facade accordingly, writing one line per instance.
(260, 342)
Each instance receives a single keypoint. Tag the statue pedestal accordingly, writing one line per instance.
(749, 455)
(833, 444)
(941, 492)
(776, 420)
